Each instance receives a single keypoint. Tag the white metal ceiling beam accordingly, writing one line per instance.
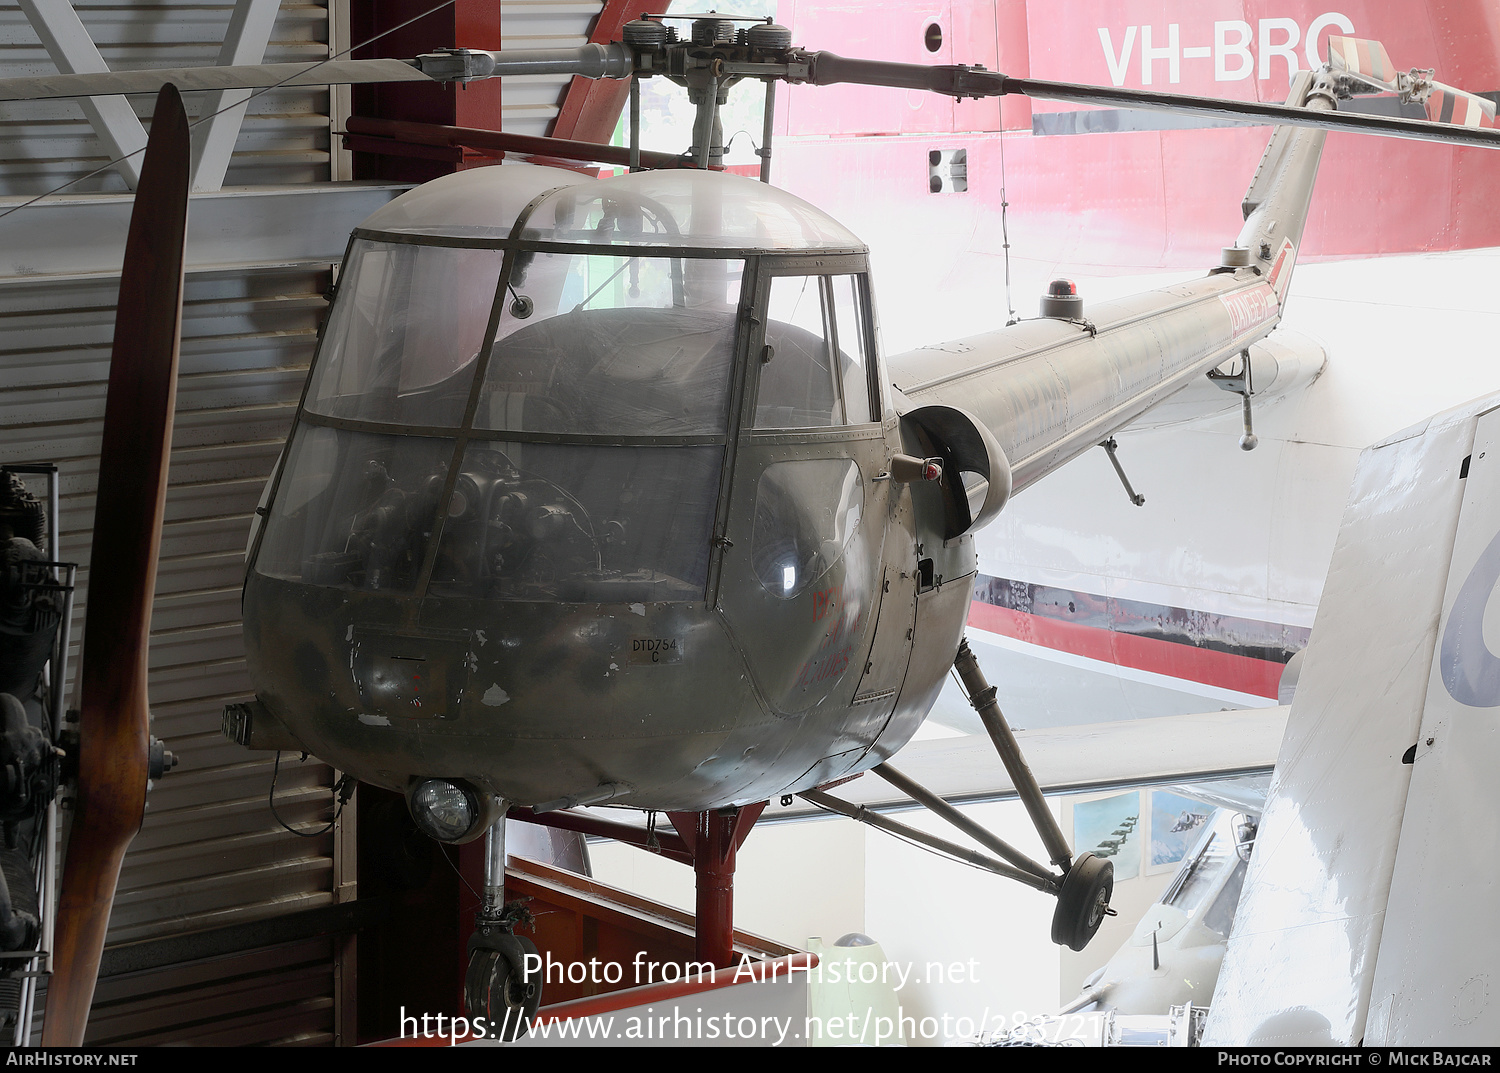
(245, 41)
(73, 51)
(83, 236)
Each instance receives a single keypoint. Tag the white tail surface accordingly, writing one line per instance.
(1367, 913)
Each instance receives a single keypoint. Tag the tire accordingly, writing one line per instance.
(497, 986)
(1083, 901)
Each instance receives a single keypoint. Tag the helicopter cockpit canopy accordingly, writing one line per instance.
(525, 388)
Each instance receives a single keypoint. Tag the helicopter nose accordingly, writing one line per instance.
(534, 702)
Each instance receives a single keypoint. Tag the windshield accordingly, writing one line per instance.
(635, 346)
(594, 455)
(405, 329)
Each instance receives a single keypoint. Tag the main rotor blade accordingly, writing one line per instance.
(1252, 112)
(113, 723)
(1446, 104)
(817, 68)
(827, 68)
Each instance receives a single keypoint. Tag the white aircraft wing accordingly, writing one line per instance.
(1096, 756)
(1368, 910)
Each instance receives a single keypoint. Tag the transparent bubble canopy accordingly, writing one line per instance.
(677, 208)
(689, 209)
(479, 203)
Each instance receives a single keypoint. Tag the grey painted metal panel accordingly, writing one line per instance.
(210, 851)
(1050, 389)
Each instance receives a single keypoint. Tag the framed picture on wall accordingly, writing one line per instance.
(1176, 822)
(1110, 828)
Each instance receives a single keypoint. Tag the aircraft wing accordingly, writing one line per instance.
(1368, 910)
(1097, 756)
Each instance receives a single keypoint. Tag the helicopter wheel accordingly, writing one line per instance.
(498, 988)
(1083, 902)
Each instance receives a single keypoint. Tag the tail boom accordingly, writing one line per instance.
(1051, 389)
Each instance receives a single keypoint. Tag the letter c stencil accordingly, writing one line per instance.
(1471, 672)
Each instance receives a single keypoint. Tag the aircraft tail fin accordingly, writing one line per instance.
(1277, 200)
(1276, 203)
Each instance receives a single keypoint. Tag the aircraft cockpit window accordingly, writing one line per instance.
(1210, 862)
(355, 509)
(849, 322)
(806, 513)
(405, 329)
(813, 374)
(686, 208)
(579, 523)
(632, 346)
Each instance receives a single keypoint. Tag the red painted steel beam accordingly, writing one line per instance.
(591, 107)
(746, 820)
(358, 143)
(709, 841)
(667, 844)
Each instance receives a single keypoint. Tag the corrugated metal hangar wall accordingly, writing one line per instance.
(227, 928)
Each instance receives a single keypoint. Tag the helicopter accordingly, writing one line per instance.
(635, 499)
(603, 491)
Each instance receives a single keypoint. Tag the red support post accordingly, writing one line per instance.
(591, 106)
(714, 837)
(713, 865)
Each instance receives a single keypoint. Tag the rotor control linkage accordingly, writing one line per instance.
(1241, 383)
(1110, 446)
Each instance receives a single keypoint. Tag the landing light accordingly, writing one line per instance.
(448, 811)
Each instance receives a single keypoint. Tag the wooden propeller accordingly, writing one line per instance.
(113, 721)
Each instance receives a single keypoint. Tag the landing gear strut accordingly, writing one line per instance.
(1083, 886)
(503, 983)
(1087, 883)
